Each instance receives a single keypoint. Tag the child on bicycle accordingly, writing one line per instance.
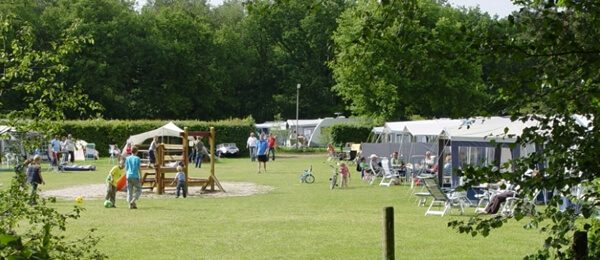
(345, 175)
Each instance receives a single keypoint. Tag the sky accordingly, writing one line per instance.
(500, 7)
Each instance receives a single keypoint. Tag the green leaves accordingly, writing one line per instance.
(392, 58)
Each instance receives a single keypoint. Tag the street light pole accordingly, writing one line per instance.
(297, 102)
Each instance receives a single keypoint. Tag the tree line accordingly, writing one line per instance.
(185, 59)
(384, 60)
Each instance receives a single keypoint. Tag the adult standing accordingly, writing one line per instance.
(262, 150)
(132, 164)
(55, 143)
(152, 152)
(200, 150)
(272, 141)
(70, 147)
(251, 145)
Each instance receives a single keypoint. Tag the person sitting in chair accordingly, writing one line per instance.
(376, 167)
(398, 164)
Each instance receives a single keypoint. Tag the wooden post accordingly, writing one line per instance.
(211, 141)
(185, 157)
(388, 233)
(580, 245)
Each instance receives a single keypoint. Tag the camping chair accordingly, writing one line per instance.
(10, 158)
(114, 153)
(445, 200)
(376, 173)
(350, 157)
(389, 176)
(527, 204)
(90, 151)
(418, 168)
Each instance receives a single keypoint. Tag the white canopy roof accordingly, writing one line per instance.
(430, 127)
(486, 129)
(169, 129)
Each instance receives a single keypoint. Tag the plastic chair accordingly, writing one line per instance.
(114, 153)
(10, 158)
(389, 176)
(90, 151)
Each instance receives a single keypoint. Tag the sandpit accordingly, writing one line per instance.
(98, 191)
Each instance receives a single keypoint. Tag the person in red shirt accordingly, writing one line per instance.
(272, 141)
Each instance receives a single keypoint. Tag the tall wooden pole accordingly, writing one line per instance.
(388, 233)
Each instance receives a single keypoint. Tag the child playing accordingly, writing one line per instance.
(345, 175)
(111, 181)
(364, 166)
(34, 176)
(180, 179)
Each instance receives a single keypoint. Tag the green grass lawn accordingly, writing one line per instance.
(292, 221)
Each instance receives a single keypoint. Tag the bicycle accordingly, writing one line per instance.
(307, 176)
(333, 178)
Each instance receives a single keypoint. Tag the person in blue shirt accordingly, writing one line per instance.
(55, 149)
(132, 164)
(262, 150)
(180, 179)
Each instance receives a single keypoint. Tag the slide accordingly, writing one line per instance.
(122, 182)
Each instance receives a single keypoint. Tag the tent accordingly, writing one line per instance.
(471, 142)
(168, 130)
(311, 129)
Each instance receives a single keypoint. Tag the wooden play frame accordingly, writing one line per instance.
(161, 182)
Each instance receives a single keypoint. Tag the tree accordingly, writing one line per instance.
(559, 42)
(292, 41)
(395, 59)
(33, 73)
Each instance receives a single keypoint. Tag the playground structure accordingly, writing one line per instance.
(156, 178)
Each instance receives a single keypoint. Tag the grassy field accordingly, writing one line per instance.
(292, 221)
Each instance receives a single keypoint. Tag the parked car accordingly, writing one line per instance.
(227, 149)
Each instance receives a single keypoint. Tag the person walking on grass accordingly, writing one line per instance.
(180, 179)
(111, 180)
(272, 141)
(251, 145)
(262, 150)
(132, 164)
(34, 177)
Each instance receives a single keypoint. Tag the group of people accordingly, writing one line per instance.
(198, 152)
(131, 166)
(65, 146)
(260, 149)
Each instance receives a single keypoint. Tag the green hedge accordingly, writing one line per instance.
(105, 132)
(355, 133)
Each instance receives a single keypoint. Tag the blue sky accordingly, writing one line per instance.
(500, 7)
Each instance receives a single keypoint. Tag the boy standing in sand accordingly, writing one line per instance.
(180, 179)
(111, 181)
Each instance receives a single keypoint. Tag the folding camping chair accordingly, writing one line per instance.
(389, 176)
(114, 153)
(443, 199)
(90, 151)
(526, 204)
(376, 173)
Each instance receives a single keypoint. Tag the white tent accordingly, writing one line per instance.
(311, 129)
(168, 130)
(501, 129)
(428, 130)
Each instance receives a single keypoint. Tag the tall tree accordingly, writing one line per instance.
(558, 40)
(293, 43)
(395, 59)
(33, 72)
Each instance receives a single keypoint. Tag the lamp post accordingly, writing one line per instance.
(297, 102)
